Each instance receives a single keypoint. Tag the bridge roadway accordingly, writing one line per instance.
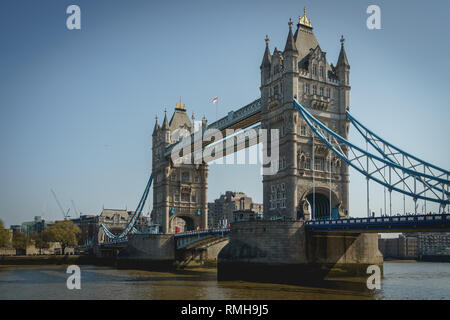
(408, 223)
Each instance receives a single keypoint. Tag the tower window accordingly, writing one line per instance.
(303, 130)
(314, 90)
(328, 92)
(322, 72)
(307, 88)
(185, 177)
(283, 163)
(278, 197)
(321, 91)
(314, 70)
(318, 164)
(308, 163)
(185, 197)
(276, 90)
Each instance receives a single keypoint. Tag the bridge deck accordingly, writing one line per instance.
(416, 223)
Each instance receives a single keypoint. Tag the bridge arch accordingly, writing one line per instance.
(322, 204)
(183, 222)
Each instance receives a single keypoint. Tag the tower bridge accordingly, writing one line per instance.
(306, 100)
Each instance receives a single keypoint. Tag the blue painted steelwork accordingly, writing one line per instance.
(115, 242)
(187, 238)
(358, 125)
(321, 131)
(131, 224)
(373, 139)
(412, 223)
(229, 120)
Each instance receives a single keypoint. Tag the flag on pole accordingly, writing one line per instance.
(214, 100)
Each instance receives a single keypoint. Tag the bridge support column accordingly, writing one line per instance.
(278, 251)
(149, 251)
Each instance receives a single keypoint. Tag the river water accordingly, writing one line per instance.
(402, 280)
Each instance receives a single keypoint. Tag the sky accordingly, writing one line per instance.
(77, 107)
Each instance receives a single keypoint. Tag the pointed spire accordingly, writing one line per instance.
(342, 60)
(267, 59)
(204, 122)
(165, 125)
(156, 128)
(290, 43)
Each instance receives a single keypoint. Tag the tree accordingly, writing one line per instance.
(20, 240)
(39, 241)
(4, 237)
(64, 232)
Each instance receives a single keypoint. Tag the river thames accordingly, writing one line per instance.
(402, 280)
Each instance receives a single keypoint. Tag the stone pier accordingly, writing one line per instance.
(149, 251)
(158, 251)
(283, 251)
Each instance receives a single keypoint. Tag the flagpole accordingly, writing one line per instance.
(217, 103)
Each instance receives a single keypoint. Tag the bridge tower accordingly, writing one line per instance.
(301, 71)
(179, 190)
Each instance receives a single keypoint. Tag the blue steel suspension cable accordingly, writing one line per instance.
(359, 126)
(131, 224)
(308, 118)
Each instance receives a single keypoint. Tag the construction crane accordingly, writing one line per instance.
(65, 214)
(75, 208)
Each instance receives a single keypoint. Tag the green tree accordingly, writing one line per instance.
(64, 232)
(4, 237)
(20, 240)
(39, 241)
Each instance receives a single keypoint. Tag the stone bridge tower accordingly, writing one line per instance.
(301, 71)
(179, 190)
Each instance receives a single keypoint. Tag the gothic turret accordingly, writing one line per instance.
(290, 42)
(165, 128)
(343, 67)
(156, 128)
(290, 68)
(267, 58)
(266, 63)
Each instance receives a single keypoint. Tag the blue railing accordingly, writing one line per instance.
(201, 232)
(189, 237)
(383, 224)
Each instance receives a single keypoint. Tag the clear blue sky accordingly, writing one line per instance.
(77, 108)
